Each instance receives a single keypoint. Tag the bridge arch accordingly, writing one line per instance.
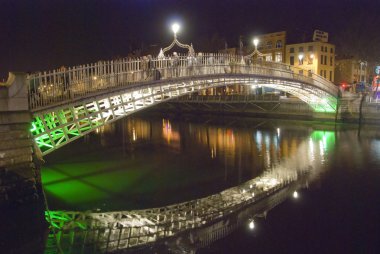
(70, 103)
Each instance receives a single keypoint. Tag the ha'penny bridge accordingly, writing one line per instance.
(69, 103)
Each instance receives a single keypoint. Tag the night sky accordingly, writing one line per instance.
(44, 34)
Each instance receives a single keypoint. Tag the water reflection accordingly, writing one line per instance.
(139, 159)
(252, 169)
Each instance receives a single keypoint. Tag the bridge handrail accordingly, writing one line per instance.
(46, 88)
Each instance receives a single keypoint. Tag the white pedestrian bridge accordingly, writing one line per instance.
(71, 102)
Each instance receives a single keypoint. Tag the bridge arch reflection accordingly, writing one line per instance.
(196, 223)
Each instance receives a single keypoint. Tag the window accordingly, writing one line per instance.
(291, 50)
(331, 61)
(324, 74)
(300, 60)
(278, 44)
(325, 60)
(310, 59)
(310, 48)
(321, 73)
(331, 50)
(321, 60)
(268, 58)
(300, 72)
(326, 49)
(330, 78)
(269, 45)
(322, 48)
(292, 60)
(278, 57)
(300, 49)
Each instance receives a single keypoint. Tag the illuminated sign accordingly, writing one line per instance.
(320, 36)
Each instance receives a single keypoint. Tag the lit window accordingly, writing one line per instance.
(278, 57)
(268, 58)
(310, 58)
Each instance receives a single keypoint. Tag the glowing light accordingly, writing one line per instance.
(278, 131)
(175, 28)
(251, 225)
(300, 57)
(255, 42)
(312, 56)
(295, 194)
(95, 78)
(134, 137)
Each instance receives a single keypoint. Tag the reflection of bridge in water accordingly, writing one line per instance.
(110, 231)
(193, 224)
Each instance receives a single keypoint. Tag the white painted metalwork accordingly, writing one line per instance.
(70, 103)
(66, 85)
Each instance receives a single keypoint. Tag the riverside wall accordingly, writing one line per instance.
(22, 202)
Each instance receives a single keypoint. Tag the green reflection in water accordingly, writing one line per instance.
(327, 138)
(86, 182)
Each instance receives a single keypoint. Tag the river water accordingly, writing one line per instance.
(152, 160)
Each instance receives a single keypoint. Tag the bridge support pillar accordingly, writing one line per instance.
(21, 197)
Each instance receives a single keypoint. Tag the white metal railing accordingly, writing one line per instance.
(66, 84)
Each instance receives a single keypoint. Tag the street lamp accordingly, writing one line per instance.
(255, 42)
(300, 58)
(175, 28)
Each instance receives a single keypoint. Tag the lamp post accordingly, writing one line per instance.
(175, 28)
(300, 58)
(255, 42)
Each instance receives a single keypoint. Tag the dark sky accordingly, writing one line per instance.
(45, 34)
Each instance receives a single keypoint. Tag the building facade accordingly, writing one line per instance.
(272, 45)
(314, 57)
(351, 72)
